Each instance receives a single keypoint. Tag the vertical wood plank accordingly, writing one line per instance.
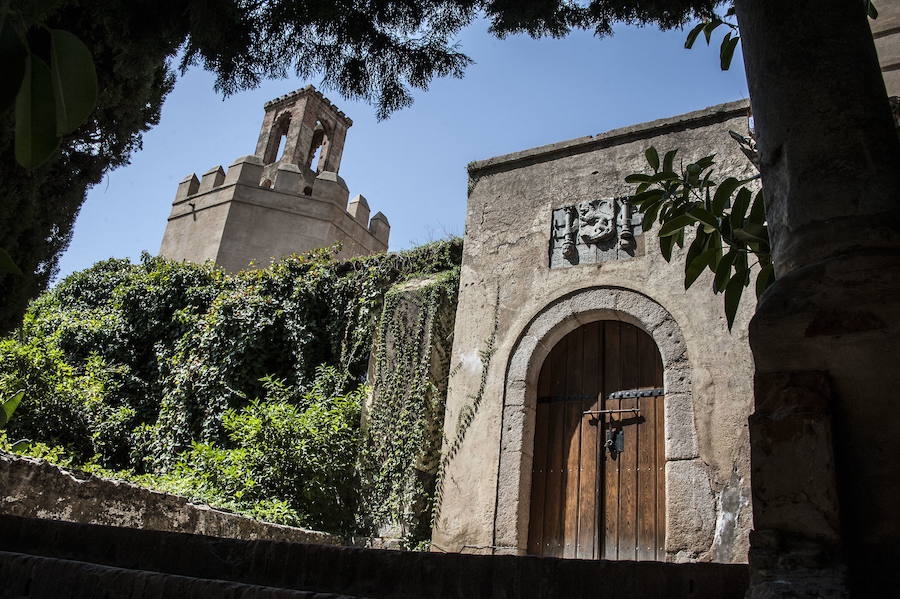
(612, 380)
(647, 467)
(539, 463)
(555, 464)
(660, 451)
(660, 479)
(646, 480)
(572, 442)
(628, 465)
(587, 492)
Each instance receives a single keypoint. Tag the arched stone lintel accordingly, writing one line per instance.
(543, 331)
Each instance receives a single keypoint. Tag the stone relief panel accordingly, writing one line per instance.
(595, 231)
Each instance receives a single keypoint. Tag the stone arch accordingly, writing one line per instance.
(689, 530)
(319, 146)
(277, 144)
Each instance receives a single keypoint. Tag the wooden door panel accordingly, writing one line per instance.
(587, 502)
(572, 442)
(587, 491)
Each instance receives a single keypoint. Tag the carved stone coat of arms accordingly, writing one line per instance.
(593, 231)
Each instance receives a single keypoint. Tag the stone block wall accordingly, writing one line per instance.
(34, 488)
(51, 559)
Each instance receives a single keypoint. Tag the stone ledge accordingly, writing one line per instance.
(690, 120)
(32, 577)
(35, 488)
(369, 572)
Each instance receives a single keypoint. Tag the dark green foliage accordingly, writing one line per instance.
(372, 51)
(130, 43)
(131, 365)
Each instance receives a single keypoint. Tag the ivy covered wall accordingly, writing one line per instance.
(404, 417)
(242, 390)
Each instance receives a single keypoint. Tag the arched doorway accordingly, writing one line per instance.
(598, 470)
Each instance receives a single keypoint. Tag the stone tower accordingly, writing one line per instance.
(286, 198)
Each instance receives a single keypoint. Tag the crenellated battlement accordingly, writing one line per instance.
(287, 197)
(303, 91)
(287, 179)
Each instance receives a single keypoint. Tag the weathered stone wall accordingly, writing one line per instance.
(233, 220)
(34, 488)
(515, 305)
(110, 555)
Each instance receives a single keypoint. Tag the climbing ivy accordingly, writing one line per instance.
(401, 440)
(467, 414)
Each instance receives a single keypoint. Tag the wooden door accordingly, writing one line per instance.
(586, 500)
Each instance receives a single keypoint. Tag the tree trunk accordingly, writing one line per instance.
(826, 336)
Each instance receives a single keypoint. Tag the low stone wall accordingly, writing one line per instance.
(37, 489)
(32, 577)
(345, 571)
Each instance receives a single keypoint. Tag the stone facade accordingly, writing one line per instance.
(276, 202)
(550, 246)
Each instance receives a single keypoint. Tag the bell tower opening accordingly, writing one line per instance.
(318, 151)
(305, 129)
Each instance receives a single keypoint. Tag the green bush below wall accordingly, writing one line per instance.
(242, 390)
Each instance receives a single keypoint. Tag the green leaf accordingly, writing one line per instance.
(646, 197)
(746, 235)
(639, 178)
(74, 80)
(723, 271)
(696, 248)
(733, 292)
(765, 278)
(692, 36)
(723, 194)
(13, 54)
(871, 10)
(726, 51)
(757, 213)
(704, 217)
(652, 157)
(696, 267)
(676, 224)
(668, 160)
(706, 162)
(36, 136)
(7, 265)
(739, 209)
(663, 176)
(715, 243)
(8, 406)
(21, 446)
(650, 213)
(665, 247)
(710, 27)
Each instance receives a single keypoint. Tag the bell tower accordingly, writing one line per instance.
(303, 129)
(285, 198)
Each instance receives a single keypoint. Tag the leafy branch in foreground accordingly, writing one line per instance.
(726, 218)
(731, 39)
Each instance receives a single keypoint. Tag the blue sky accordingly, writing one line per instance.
(520, 93)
